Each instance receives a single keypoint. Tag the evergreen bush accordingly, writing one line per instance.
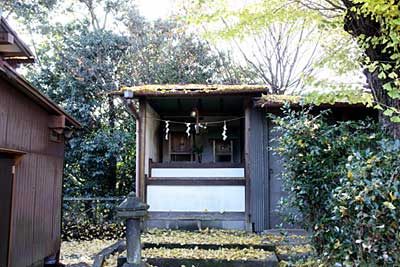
(342, 180)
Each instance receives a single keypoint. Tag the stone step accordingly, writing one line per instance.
(266, 247)
(270, 261)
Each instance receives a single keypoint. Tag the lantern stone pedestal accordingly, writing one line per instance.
(132, 210)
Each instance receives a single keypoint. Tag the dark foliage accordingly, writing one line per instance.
(343, 180)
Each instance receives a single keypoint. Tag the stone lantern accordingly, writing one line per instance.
(132, 210)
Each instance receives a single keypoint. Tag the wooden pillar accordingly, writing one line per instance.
(137, 161)
(247, 112)
(140, 151)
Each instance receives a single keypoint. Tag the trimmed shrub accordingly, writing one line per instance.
(342, 180)
(366, 209)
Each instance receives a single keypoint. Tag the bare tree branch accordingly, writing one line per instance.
(327, 8)
(91, 8)
(282, 54)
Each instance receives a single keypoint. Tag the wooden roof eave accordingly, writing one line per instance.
(19, 60)
(129, 96)
(27, 89)
(272, 104)
(192, 94)
(25, 51)
(189, 93)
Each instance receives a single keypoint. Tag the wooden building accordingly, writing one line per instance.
(32, 136)
(203, 157)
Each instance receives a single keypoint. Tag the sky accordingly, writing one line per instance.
(155, 9)
(151, 9)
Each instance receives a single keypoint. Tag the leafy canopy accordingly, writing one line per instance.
(362, 33)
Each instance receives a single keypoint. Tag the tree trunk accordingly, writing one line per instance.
(357, 25)
(381, 96)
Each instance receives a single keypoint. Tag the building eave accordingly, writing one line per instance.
(24, 55)
(8, 73)
(190, 90)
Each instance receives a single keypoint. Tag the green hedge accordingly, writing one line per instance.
(366, 208)
(342, 180)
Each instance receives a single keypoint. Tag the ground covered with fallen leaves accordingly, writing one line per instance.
(82, 253)
(299, 249)
(223, 253)
(217, 237)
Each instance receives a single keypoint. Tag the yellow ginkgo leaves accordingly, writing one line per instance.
(389, 205)
(222, 254)
(343, 211)
(350, 175)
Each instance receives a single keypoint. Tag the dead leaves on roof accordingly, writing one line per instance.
(188, 88)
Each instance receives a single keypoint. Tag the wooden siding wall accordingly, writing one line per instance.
(259, 180)
(265, 175)
(38, 178)
(275, 169)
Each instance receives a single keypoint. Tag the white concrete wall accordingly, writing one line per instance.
(198, 172)
(196, 198)
(152, 150)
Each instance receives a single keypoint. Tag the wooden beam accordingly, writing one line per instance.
(195, 165)
(247, 111)
(14, 61)
(6, 38)
(204, 113)
(17, 155)
(195, 181)
(56, 122)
